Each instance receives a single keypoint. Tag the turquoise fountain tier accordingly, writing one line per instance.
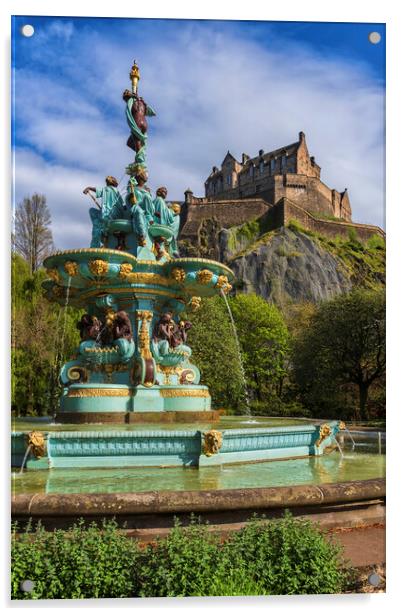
(170, 448)
(133, 363)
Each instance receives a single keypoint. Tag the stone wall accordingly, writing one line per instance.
(203, 216)
(227, 213)
(288, 211)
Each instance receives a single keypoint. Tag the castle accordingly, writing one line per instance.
(282, 185)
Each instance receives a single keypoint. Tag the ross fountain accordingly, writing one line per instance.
(133, 364)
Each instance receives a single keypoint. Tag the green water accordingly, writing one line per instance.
(314, 470)
(25, 424)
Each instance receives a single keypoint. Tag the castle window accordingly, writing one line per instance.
(272, 166)
(229, 179)
(261, 167)
(283, 163)
(250, 171)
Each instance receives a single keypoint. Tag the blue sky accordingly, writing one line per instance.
(215, 85)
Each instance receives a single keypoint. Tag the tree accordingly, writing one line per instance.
(264, 341)
(216, 355)
(344, 346)
(44, 336)
(32, 237)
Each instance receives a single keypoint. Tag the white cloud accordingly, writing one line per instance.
(212, 92)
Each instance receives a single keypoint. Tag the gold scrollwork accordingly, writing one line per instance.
(178, 274)
(54, 275)
(37, 443)
(204, 276)
(145, 316)
(325, 432)
(125, 270)
(213, 440)
(187, 376)
(94, 392)
(71, 268)
(194, 303)
(98, 267)
(147, 278)
(167, 372)
(342, 425)
(184, 393)
(77, 373)
(223, 283)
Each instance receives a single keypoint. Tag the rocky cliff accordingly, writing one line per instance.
(292, 264)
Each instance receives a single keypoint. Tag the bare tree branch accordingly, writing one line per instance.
(32, 237)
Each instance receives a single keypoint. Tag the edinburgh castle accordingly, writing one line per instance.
(282, 185)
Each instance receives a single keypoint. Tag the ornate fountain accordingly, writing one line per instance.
(133, 363)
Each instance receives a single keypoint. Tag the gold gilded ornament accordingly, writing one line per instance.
(135, 77)
(184, 393)
(77, 373)
(147, 278)
(178, 274)
(204, 276)
(325, 432)
(71, 267)
(37, 444)
(342, 425)
(175, 207)
(194, 303)
(145, 316)
(98, 267)
(54, 275)
(125, 269)
(95, 392)
(222, 281)
(212, 442)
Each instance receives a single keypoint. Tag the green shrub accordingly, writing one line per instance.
(284, 556)
(287, 557)
(82, 563)
(182, 564)
(294, 225)
(376, 242)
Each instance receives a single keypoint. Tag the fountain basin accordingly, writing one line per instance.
(167, 448)
(149, 514)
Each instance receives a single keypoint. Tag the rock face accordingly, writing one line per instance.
(286, 266)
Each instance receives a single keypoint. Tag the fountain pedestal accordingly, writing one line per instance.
(124, 380)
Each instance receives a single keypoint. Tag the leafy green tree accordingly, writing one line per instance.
(344, 346)
(43, 336)
(264, 342)
(215, 353)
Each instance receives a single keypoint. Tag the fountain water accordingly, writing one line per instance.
(63, 336)
(339, 447)
(348, 432)
(26, 454)
(236, 337)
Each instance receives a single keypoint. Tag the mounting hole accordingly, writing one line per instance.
(374, 37)
(27, 30)
(373, 579)
(27, 586)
